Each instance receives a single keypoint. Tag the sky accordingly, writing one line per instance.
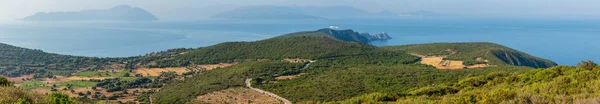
(195, 9)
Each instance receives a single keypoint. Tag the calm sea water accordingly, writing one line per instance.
(565, 42)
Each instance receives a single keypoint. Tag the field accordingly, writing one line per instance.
(33, 85)
(238, 95)
(440, 62)
(79, 84)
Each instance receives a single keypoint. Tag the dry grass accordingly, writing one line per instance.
(439, 62)
(157, 71)
(289, 76)
(237, 96)
(10, 95)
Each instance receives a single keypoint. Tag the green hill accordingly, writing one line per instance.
(331, 52)
(277, 48)
(345, 35)
(15, 61)
(555, 85)
(476, 53)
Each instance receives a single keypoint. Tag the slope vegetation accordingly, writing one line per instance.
(555, 85)
(277, 48)
(476, 53)
(15, 61)
(263, 61)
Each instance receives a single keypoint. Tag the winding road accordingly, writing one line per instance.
(286, 101)
(248, 84)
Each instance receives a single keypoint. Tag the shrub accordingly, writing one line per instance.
(59, 98)
(5, 82)
(588, 65)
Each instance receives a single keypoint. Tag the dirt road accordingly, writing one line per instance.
(249, 85)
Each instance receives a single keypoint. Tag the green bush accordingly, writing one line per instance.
(59, 98)
(5, 82)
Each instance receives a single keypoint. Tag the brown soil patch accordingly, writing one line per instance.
(481, 59)
(289, 76)
(19, 79)
(157, 71)
(478, 66)
(238, 95)
(214, 66)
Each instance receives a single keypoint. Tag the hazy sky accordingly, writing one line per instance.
(190, 9)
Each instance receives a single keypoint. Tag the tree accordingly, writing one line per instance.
(588, 65)
(59, 98)
(5, 82)
(94, 88)
(126, 75)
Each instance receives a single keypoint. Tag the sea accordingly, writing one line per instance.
(566, 42)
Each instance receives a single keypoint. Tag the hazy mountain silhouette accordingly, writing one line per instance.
(121, 12)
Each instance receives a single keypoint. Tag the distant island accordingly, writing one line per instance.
(345, 35)
(119, 13)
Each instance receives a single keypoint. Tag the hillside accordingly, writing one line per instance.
(121, 13)
(15, 61)
(304, 67)
(277, 48)
(476, 53)
(555, 85)
(345, 35)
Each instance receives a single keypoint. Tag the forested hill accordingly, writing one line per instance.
(476, 53)
(345, 35)
(15, 61)
(277, 48)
